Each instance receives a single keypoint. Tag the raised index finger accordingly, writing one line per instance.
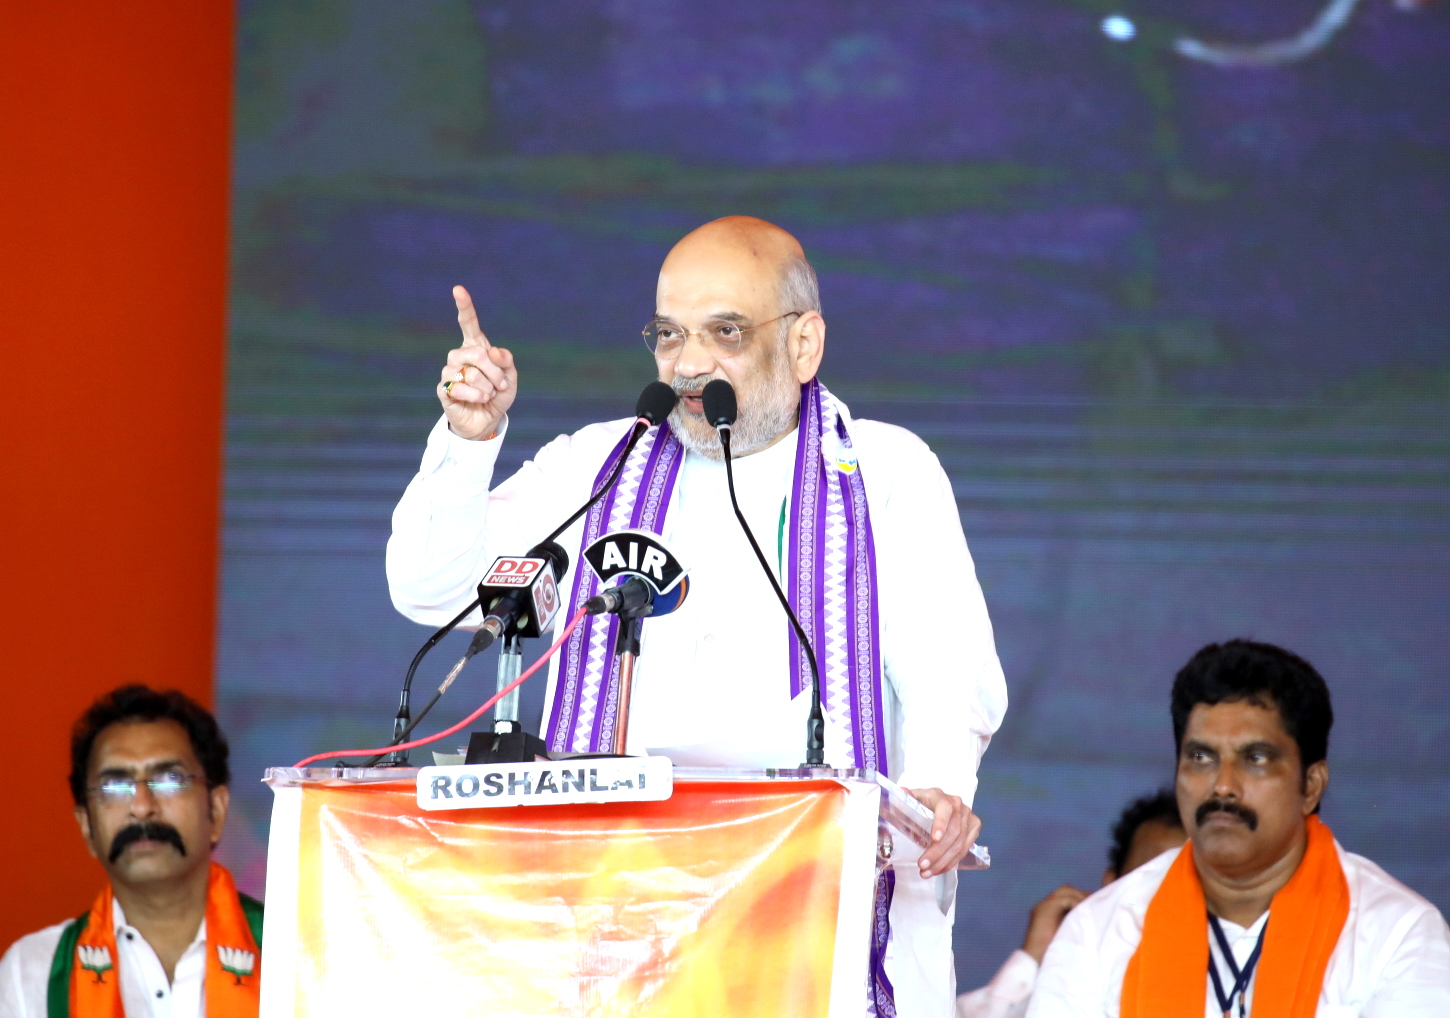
(468, 319)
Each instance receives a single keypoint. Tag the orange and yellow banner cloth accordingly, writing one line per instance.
(749, 897)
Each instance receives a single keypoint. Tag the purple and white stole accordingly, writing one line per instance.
(830, 582)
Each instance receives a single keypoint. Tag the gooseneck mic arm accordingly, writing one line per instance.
(720, 411)
(652, 407)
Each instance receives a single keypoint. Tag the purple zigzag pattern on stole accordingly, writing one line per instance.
(835, 647)
(566, 695)
(804, 561)
(881, 995)
(600, 680)
(579, 682)
(865, 622)
(646, 513)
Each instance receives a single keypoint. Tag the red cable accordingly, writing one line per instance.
(573, 623)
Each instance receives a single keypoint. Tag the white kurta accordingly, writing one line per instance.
(145, 990)
(712, 684)
(1392, 959)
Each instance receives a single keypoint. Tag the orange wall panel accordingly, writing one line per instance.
(114, 136)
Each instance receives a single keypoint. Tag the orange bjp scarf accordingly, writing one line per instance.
(233, 960)
(1168, 976)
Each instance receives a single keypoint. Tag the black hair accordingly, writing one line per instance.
(140, 703)
(1161, 808)
(1259, 673)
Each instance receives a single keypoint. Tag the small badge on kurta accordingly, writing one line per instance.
(236, 961)
(95, 959)
(837, 454)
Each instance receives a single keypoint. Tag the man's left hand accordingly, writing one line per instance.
(953, 831)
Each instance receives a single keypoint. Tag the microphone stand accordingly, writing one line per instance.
(816, 722)
(510, 665)
(626, 650)
(403, 723)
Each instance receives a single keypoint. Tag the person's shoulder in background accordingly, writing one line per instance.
(1007, 995)
(1082, 972)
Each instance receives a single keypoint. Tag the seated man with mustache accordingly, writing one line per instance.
(169, 935)
(1262, 912)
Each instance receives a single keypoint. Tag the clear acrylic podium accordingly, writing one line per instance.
(744, 892)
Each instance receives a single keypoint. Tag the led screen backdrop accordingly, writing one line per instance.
(1175, 325)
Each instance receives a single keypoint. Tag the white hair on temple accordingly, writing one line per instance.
(799, 290)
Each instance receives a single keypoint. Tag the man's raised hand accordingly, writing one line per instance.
(479, 382)
(1047, 916)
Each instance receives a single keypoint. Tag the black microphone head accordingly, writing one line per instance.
(719, 401)
(556, 555)
(656, 402)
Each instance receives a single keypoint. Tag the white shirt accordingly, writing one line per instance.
(1007, 995)
(145, 990)
(1392, 959)
(712, 684)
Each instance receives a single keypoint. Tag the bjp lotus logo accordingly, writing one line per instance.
(237, 962)
(97, 960)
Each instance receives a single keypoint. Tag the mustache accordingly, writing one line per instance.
(693, 386)
(128, 836)
(1229, 806)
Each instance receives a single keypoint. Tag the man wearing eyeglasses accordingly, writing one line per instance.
(169, 935)
(856, 517)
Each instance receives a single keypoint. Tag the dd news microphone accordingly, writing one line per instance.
(521, 592)
(648, 579)
(718, 398)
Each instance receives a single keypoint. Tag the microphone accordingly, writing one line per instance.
(638, 598)
(514, 584)
(654, 404)
(718, 398)
(650, 581)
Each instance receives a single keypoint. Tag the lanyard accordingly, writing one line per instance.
(1241, 978)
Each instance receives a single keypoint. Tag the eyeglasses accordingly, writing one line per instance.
(165, 785)
(666, 339)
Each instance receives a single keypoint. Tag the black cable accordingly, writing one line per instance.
(400, 720)
(816, 723)
(403, 737)
(652, 407)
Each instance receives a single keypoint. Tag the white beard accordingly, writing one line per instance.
(767, 410)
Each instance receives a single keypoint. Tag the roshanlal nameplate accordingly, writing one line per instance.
(546, 783)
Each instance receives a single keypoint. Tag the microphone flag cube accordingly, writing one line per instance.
(626, 553)
(513, 574)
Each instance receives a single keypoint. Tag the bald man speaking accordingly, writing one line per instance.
(856, 516)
